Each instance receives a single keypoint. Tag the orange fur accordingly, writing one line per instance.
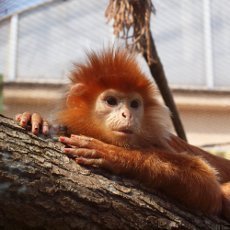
(159, 159)
(226, 200)
(222, 165)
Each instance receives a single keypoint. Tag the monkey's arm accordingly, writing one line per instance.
(188, 179)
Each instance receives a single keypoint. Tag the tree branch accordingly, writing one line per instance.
(41, 188)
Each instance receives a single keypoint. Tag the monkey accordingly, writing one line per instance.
(115, 122)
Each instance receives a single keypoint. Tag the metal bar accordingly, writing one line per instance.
(209, 74)
(13, 44)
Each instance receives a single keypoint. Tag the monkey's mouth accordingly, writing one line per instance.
(123, 132)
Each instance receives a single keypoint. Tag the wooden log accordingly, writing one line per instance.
(41, 188)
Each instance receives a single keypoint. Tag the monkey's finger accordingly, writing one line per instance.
(81, 152)
(18, 117)
(84, 142)
(70, 142)
(88, 142)
(25, 119)
(90, 162)
(36, 121)
(45, 128)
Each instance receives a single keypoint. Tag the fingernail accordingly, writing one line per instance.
(66, 150)
(79, 160)
(23, 122)
(45, 132)
(17, 118)
(61, 138)
(35, 127)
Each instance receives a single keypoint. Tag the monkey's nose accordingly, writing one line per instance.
(126, 114)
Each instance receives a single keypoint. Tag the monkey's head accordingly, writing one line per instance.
(112, 100)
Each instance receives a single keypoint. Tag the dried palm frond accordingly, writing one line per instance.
(131, 21)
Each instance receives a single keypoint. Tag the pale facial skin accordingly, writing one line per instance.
(121, 114)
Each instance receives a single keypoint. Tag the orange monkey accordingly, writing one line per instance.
(113, 104)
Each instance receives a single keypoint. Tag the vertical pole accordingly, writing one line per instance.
(208, 44)
(1, 92)
(13, 43)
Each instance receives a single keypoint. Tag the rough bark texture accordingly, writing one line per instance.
(41, 188)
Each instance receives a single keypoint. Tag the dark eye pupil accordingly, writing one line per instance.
(134, 104)
(111, 101)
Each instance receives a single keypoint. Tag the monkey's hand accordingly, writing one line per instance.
(92, 152)
(33, 122)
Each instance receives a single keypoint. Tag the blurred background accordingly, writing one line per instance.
(41, 39)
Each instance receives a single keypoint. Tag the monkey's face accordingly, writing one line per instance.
(121, 116)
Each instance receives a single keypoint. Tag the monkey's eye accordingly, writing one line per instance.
(112, 101)
(134, 104)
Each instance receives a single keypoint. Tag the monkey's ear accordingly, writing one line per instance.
(75, 91)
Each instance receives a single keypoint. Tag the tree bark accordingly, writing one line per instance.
(41, 188)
